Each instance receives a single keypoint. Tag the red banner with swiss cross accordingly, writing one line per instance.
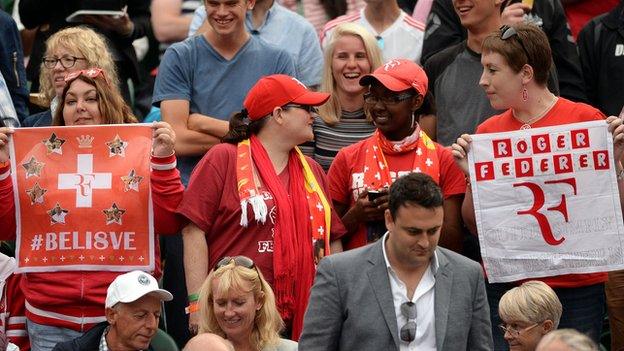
(82, 198)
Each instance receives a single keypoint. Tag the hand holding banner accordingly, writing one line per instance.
(546, 201)
(82, 198)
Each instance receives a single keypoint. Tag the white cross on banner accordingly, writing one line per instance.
(84, 181)
(546, 201)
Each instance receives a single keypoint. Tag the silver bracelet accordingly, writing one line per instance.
(620, 175)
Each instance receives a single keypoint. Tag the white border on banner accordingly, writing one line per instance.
(615, 198)
(76, 268)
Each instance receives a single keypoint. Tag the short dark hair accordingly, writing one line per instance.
(529, 46)
(415, 189)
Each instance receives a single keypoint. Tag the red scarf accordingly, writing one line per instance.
(376, 171)
(303, 213)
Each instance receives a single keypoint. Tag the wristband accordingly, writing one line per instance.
(192, 308)
(193, 297)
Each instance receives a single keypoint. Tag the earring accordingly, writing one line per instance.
(525, 94)
(413, 118)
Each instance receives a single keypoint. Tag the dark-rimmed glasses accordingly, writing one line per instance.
(514, 331)
(408, 331)
(507, 32)
(307, 108)
(90, 73)
(371, 99)
(66, 61)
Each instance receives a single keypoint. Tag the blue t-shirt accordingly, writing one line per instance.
(192, 70)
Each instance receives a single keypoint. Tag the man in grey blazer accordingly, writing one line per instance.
(402, 292)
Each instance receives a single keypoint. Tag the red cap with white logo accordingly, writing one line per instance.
(399, 75)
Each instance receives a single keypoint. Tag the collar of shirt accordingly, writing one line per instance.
(249, 21)
(103, 344)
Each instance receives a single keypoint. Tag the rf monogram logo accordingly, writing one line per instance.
(539, 198)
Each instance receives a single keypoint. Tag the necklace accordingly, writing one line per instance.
(527, 125)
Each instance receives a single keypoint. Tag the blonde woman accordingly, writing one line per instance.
(237, 303)
(67, 51)
(352, 53)
(528, 312)
(567, 340)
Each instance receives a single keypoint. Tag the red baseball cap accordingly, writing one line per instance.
(278, 90)
(399, 75)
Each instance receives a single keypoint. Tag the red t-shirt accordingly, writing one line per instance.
(564, 112)
(346, 177)
(212, 203)
(580, 13)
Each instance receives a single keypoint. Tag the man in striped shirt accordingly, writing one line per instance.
(398, 34)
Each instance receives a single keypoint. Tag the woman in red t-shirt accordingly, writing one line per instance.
(361, 173)
(516, 63)
(257, 195)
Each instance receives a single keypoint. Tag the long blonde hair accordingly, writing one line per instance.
(331, 111)
(83, 42)
(267, 323)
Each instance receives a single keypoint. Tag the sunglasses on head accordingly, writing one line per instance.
(242, 261)
(90, 73)
(507, 32)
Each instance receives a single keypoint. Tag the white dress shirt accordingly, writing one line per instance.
(424, 298)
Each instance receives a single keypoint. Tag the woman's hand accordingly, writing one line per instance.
(163, 139)
(616, 128)
(4, 143)
(369, 211)
(514, 13)
(460, 151)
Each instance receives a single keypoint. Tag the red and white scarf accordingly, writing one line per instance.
(303, 217)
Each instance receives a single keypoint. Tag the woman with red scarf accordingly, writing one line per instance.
(257, 195)
(361, 173)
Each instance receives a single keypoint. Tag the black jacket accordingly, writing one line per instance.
(89, 341)
(601, 47)
(444, 29)
(12, 64)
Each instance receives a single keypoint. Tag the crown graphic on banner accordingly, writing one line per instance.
(85, 141)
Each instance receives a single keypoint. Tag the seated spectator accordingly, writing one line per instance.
(601, 47)
(12, 318)
(361, 173)
(444, 29)
(340, 122)
(285, 29)
(516, 61)
(567, 340)
(61, 305)
(133, 303)
(257, 194)
(208, 341)
(528, 312)
(49, 17)
(398, 34)
(237, 303)
(67, 51)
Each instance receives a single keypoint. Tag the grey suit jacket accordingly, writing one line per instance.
(351, 305)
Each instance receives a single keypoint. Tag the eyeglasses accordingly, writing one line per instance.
(514, 331)
(387, 100)
(507, 32)
(307, 108)
(90, 73)
(408, 331)
(66, 61)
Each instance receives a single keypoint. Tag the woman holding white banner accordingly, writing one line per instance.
(516, 63)
(60, 306)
